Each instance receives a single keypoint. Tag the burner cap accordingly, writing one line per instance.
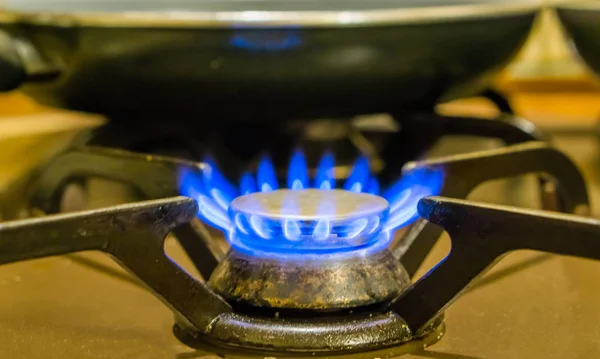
(307, 221)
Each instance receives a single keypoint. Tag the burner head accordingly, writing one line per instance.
(309, 249)
(215, 193)
(303, 222)
(312, 246)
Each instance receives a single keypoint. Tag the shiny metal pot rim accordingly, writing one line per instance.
(277, 14)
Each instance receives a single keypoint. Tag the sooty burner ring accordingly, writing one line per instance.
(320, 285)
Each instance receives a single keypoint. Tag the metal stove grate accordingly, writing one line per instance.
(134, 234)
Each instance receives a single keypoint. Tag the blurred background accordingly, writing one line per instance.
(547, 82)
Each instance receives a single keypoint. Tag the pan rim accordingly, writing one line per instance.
(274, 19)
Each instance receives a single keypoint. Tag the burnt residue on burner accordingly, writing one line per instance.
(322, 285)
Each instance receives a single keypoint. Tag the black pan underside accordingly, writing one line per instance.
(271, 73)
(583, 24)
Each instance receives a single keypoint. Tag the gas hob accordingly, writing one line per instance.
(96, 310)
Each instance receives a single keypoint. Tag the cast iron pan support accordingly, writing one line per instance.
(482, 235)
(20, 62)
(12, 72)
(499, 100)
(420, 131)
(134, 236)
(153, 176)
(463, 173)
(156, 177)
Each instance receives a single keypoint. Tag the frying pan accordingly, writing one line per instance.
(582, 22)
(257, 59)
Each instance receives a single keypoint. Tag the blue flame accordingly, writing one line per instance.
(259, 226)
(373, 186)
(325, 178)
(265, 41)
(191, 185)
(291, 230)
(266, 175)
(247, 184)
(359, 177)
(219, 187)
(404, 195)
(357, 227)
(298, 172)
(214, 193)
(322, 229)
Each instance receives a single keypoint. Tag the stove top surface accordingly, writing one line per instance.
(530, 305)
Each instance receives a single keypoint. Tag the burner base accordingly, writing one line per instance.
(303, 284)
(237, 334)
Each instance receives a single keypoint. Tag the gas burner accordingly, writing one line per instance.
(309, 249)
(316, 248)
(312, 268)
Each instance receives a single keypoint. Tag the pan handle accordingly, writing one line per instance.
(12, 69)
(481, 235)
(20, 62)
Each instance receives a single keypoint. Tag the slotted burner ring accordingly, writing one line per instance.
(306, 223)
